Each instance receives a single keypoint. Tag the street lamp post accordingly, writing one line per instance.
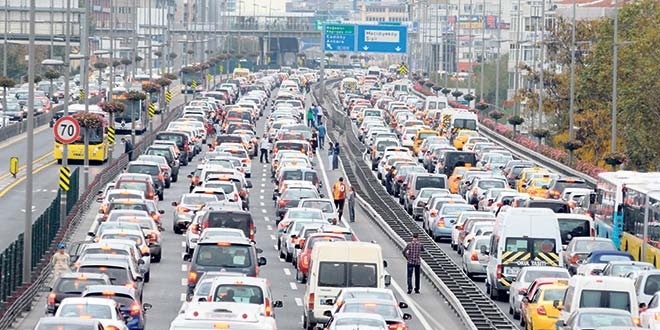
(483, 52)
(571, 133)
(499, 51)
(27, 234)
(615, 64)
(542, 68)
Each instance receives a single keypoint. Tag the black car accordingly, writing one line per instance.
(71, 285)
(165, 151)
(182, 142)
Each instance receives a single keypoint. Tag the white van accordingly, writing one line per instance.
(338, 265)
(598, 292)
(521, 237)
(435, 103)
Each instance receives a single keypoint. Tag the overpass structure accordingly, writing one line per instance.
(50, 24)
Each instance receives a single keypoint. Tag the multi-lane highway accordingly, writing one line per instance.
(12, 190)
(167, 286)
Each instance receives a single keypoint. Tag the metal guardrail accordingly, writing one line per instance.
(473, 307)
(16, 128)
(21, 299)
(525, 153)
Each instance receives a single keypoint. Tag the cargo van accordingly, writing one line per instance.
(435, 103)
(338, 265)
(521, 237)
(598, 292)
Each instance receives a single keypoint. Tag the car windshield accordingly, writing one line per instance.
(77, 285)
(311, 215)
(114, 195)
(597, 320)
(247, 294)
(606, 258)
(135, 238)
(489, 184)
(428, 192)
(86, 310)
(293, 194)
(532, 275)
(387, 311)
(324, 206)
(456, 209)
(198, 199)
(347, 274)
(132, 185)
(226, 256)
(618, 270)
(554, 294)
(121, 299)
(128, 206)
(314, 240)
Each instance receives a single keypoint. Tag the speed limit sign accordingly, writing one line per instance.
(66, 129)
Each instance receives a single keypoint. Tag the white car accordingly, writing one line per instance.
(326, 206)
(105, 310)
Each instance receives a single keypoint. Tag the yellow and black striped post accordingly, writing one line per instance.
(403, 69)
(168, 97)
(194, 85)
(111, 134)
(65, 178)
(82, 95)
(152, 109)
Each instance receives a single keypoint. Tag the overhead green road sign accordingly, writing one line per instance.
(320, 23)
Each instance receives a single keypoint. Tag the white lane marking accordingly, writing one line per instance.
(261, 197)
(183, 244)
(266, 219)
(293, 286)
(269, 227)
(287, 272)
(298, 301)
(183, 297)
(263, 210)
(275, 247)
(273, 237)
(415, 308)
(263, 178)
(263, 184)
(184, 268)
(184, 281)
(262, 203)
(262, 191)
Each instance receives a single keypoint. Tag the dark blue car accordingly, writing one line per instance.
(605, 256)
(132, 309)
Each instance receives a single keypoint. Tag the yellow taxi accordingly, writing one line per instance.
(538, 187)
(421, 135)
(462, 136)
(457, 175)
(539, 313)
(525, 175)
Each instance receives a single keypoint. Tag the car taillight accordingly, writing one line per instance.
(195, 179)
(310, 303)
(150, 195)
(434, 213)
(131, 285)
(474, 256)
(236, 196)
(144, 250)
(541, 310)
(182, 209)
(441, 222)
(268, 308)
(161, 177)
(103, 208)
(186, 147)
(155, 216)
(51, 298)
(305, 260)
(592, 231)
(282, 203)
(252, 231)
(192, 277)
(153, 238)
(405, 137)
(498, 272)
(475, 191)
(195, 229)
(135, 309)
(574, 259)
(490, 202)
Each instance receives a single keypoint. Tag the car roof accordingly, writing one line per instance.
(88, 300)
(83, 274)
(111, 288)
(233, 240)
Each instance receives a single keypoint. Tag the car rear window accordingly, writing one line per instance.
(225, 256)
(143, 169)
(132, 185)
(78, 285)
(234, 220)
(429, 181)
(178, 138)
(117, 275)
(246, 294)
(128, 206)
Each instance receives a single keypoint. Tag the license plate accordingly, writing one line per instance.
(511, 271)
(223, 316)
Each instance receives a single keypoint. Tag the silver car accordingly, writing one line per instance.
(475, 260)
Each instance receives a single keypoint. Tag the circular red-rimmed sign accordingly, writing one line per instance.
(66, 129)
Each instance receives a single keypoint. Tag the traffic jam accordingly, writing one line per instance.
(527, 232)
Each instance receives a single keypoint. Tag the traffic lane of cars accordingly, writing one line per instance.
(430, 311)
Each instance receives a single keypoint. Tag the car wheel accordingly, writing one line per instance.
(147, 277)
(168, 184)
(175, 178)
(161, 196)
(157, 257)
(176, 229)
(288, 257)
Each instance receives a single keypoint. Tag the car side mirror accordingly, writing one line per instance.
(322, 195)
(141, 262)
(175, 204)
(248, 184)
(597, 272)
(262, 261)
(384, 262)
(161, 211)
(522, 292)
(407, 316)
(202, 299)
(259, 251)
(278, 304)
(557, 305)
(186, 257)
(387, 279)
(524, 186)
(327, 313)
(483, 250)
(403, 305)
(147, 306)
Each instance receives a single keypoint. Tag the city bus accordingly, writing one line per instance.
(98, 139)
(634, 208)
(142, 79)
(133, 112)
(609, 195)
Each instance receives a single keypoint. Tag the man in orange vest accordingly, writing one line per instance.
(339, 191)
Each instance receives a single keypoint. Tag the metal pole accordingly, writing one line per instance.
(27, 234)
(135, 39)
(541, 73)
(516, 81)
(499, 52)
(150, 66)
(615, 65)
(65, 105)
(483, 51)
(572, 96)
(111, 82)
(531, 82)
(4, 47)
(52, 36)
(457, 45)
(470, 70)
(85, 77)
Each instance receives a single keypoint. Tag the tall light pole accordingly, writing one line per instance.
(67, 76)
(571, 133)
(541, 70)
(615, 64)
(85, 83)
(111, 81)
(516, 81)
(4, 46)
(483, 51)
(531, 81)
(27, 233)
(499, 52)
(470, 48)
(52, 35)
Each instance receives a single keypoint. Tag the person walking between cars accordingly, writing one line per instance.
(310, 117)
(61, 261)
(389, 179)
(351, 204)
(313, 141)
(331, 155)
(339, 190)
(128, 148)
(413, 252)
(321, 136)
(264, 145)
(335, 156)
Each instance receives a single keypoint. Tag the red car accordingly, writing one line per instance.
(305, 252)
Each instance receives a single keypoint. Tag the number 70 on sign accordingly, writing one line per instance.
(66, 130)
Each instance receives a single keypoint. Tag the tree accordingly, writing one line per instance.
(515, 121)
(170, 76)
(151, 88)
(496, 115)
